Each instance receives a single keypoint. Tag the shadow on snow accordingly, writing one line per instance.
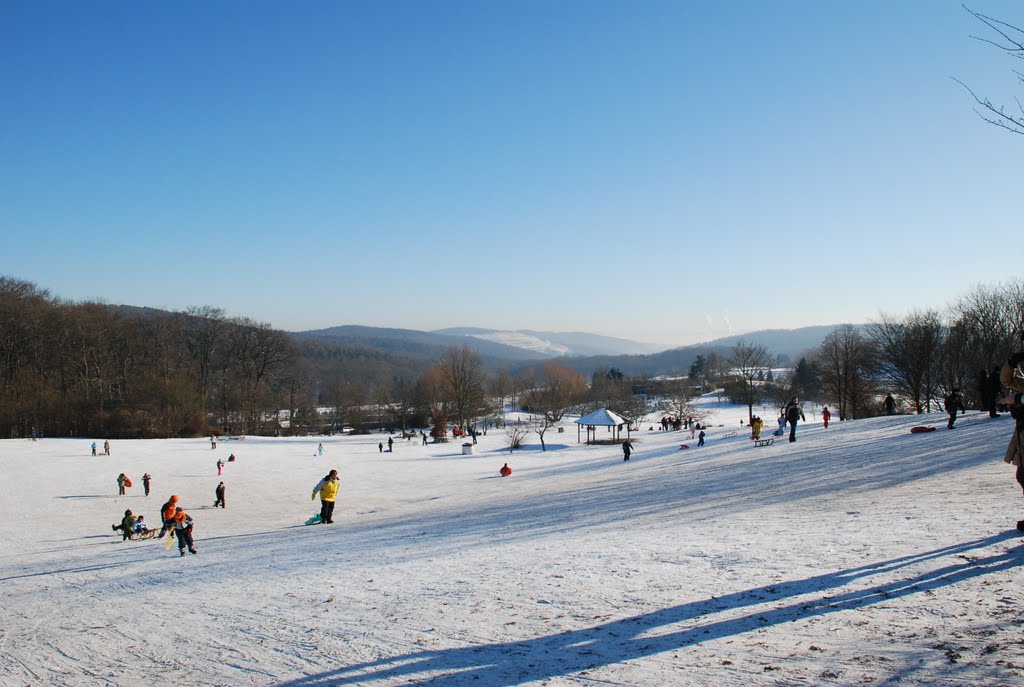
(511, 663)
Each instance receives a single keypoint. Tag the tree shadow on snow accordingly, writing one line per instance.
(576, 651)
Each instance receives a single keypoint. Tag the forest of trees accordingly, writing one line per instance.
(89, 369)
(918, 358)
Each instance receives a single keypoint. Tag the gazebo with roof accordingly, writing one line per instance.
(602, 417)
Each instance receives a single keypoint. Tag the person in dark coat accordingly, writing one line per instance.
(890, 405)
(794, 413)
(1015, 450)
(627, 449)
(183, 530)
(146, 478)
(954, 402)
(219, 493)
(992, 390)
(700, 438)
(983, 391)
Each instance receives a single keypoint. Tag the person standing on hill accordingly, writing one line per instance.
(983, 391)
(794, 413)
(106, 447)
(220, 467)
(328, 490)
(145, 482)
(755, 425)
(825, 416)
(992, 390)
(219, 494)
(890, 406)
(627, 449)
(954, 402)
(1013, 378)
(122, 480)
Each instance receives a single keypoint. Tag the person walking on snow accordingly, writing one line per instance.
(825, 416)
(794, 413)
(700, 438)
(220, 467)
(145, 482)
(122, 480)
(94, 448)
(328, 490)
(320, 450)
(627, 449)
(391, 444)
(167, 515)
(953, 403)
(106, 447)
(219, 494)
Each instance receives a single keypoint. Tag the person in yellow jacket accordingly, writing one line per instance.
(328, 490)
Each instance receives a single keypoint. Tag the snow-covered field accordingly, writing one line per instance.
(861, 554)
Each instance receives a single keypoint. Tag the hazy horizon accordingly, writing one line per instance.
(662, 172)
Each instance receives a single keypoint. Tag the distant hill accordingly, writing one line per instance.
(788, 344)
(556, 343)
(413, 343)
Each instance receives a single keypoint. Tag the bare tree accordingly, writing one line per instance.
(677, 399)
(846, 363)
(747, 362)
(1011, 40)
(462, 371)
(560, 390)
(910, 354)
(202, 333)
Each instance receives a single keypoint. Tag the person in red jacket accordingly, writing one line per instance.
(826, 416)
(505, 470)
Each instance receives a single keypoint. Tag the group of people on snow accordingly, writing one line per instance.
(131, 524)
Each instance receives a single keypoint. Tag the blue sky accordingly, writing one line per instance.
(663, 171)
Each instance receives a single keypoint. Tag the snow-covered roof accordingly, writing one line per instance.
(602, 417)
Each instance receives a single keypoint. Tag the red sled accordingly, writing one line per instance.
(682, 446)
(127, 482)
(921, 430)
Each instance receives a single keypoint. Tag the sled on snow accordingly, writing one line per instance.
(314, 520)
(921, 430)
(139, 536)
(768, 441)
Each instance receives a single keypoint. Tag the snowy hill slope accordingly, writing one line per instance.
(861, 553)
